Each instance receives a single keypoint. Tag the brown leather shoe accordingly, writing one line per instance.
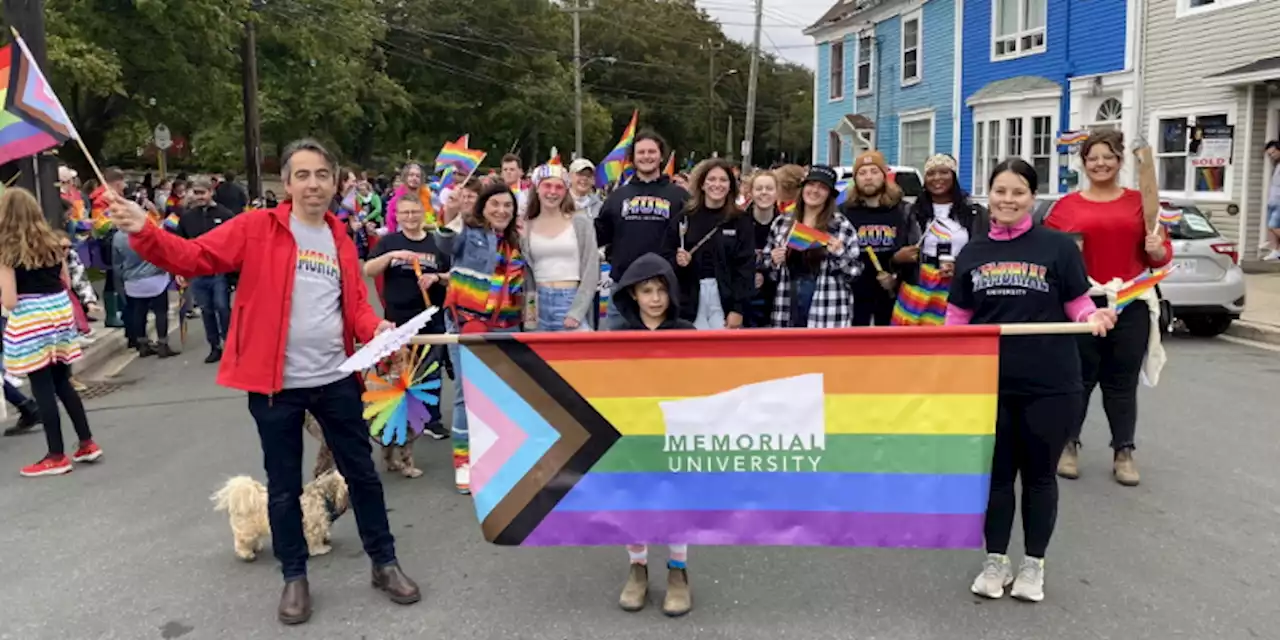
(295, 602)
(391, 580)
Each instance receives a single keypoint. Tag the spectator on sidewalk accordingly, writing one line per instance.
(147, 288)
(212, 293)
(304, 305)
(229, 194)
(1273, 202)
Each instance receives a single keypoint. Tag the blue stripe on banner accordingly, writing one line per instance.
(801, 491)
(540, 437)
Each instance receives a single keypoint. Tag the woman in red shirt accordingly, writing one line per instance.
(1117, 245)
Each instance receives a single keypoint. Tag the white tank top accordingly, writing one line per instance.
(555, 259)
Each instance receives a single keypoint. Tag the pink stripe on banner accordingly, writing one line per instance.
(784, 528)
(27, 147)
(509, 436)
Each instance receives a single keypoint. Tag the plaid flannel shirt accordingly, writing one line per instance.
(832, 305)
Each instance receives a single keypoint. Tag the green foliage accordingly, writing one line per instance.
(383, 79)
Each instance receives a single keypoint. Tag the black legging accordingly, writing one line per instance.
(871, 303)
(1030, 434)
(140, 307)
(49, 385)
(1114, 363)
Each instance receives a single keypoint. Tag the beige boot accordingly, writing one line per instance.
(678, 601)
(635, 594)
(1125, 469)
(1069, 463)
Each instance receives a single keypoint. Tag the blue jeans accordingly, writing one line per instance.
(802, 290)
(338, 408)
(213, 296)
(553, 307)
(458, 424)
(612, 319)
(710, 311)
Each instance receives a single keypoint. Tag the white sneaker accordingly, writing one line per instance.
(997, 573)
(462, 478)
(1273, 256)
(16, 382)
(1029, 586)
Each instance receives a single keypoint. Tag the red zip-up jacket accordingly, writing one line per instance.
(261, 247)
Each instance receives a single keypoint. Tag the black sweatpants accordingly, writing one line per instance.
(1031, 432)
(871, 302)
(140, 308)
(1114, 363)
(48, 386)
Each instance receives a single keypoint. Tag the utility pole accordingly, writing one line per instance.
(252, 122)
(38, 173)
(728, 139)
(749, 136)
(576, 10)
(711, 47)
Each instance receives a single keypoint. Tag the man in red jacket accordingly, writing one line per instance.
(300, 308)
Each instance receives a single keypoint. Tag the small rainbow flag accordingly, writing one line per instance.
(171, 222)
(803, 237)
(1170, 216)
(788, 207)
(1068, 138)
(611, 169)
(1138, 286)
(670, 169)
(940, 231)
(464, 159)
(856, 438)
(555, 158)
(32, 119)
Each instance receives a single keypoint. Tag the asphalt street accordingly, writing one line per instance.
(131, 548)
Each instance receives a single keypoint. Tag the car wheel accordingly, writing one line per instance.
(1207, 326)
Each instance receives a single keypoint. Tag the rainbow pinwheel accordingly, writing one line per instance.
(402, 404)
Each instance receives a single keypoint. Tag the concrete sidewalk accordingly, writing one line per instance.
(1261, 320)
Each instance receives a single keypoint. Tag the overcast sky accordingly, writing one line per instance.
(782, 24)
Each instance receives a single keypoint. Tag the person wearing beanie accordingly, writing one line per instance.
(559, 247)
(814, 285)
(874, 207)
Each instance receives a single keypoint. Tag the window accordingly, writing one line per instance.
(1018, 27)
(1042, 151)
(866, 51)
(1026, 131)
(1177, 169)
(1193, 7)
(1109, 111)
(911, 48)
(833, 149)
(915, 140)
(1014, 128)
(836, 88)
(986, 142)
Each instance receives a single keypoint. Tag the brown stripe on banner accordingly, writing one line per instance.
(572, 436)
(15, 99)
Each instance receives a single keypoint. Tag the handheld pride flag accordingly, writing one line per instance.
(1170, 217)
(1138, 286)
(171, 222)
(940, 231)
(863, 438)
(402, 404)
(670, 169)
(611, 169)
(33, 120)
(803, 237)
(464, 159)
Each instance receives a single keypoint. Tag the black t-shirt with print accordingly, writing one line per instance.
(1027, 279)
(400, 284)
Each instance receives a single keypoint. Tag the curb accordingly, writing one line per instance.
(1256, 331)
(111, 342)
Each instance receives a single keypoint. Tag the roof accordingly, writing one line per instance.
(860, 121)
(1010, 87)
(1258, 70)
(841, 11)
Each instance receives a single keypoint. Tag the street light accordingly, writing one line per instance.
(711, 103)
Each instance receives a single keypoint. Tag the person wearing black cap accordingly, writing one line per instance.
(814, 284)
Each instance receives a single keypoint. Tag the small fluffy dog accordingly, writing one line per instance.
(245, 501)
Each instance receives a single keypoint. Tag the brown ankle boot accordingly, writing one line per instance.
(391, 580)
(1069, 463)
(678, 600)
(295, 602)
(1125, 469)
(635, 593)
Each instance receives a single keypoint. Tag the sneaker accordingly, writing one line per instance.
(437, 431)
(88, 452)
(28, 419)
(1069, 463)
(462, 478)
(214, 356)
(80, 387)
(14, 382)
(1029, 585)
(51, 465)
(1273, 256)
(635, 593)
(1125, 469)
(997, 573)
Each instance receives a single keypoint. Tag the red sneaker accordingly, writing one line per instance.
(49, 466)
(88, 452)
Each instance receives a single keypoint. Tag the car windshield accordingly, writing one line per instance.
(909, 183)
(1193, 225)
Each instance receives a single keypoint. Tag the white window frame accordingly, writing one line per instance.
(869, 35)
(1026, 109)
(918, 17)
(1184, 8)
(835, 148)
(1191, 113)
(835, 90)
(911, 117)
(1021, 33)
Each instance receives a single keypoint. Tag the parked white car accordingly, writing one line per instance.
(907, 178)
(1206, 290)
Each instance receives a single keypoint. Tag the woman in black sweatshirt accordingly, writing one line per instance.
(763, 206)
(715, 262)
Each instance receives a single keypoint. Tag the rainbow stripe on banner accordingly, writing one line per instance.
(33, 120)
(862, 438)
(804, 237)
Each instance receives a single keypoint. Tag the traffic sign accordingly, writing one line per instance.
(163, 139)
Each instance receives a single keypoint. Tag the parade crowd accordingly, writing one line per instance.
(546, 250)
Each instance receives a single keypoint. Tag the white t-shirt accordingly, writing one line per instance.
(944, 229)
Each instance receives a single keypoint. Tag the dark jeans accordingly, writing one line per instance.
(1031, 432)
(337, 407)
(1114, 363)
(130, 327)
(871, 303)
(49, 385)
(13, 396)
(138, 310)
(802, 289)
(213, 296)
